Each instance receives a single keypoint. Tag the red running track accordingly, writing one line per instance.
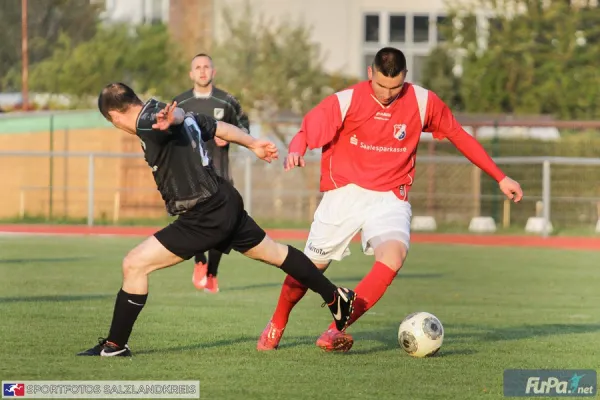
(576, 243)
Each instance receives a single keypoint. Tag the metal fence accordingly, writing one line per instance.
(118, 187)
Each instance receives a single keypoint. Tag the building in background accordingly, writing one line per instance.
(351, 31)
(135, 11)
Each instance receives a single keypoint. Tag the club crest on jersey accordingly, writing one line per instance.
(219, 113)
(400, 131)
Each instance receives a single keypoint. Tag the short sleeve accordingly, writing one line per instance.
(208, 126)
(146, 119)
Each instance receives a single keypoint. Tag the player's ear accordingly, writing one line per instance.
(214, 72)
(191, 76)
(370, 72)
(113, 115)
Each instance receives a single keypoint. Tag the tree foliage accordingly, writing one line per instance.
(144, 58)
(438, 75)
(531, 57)
(47, 21)
(272, 67)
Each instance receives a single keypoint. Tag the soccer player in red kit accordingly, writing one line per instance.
(369, 135)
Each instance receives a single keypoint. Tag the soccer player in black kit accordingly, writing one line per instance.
(210, 210)
(205, 98)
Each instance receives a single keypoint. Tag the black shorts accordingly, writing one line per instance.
(220, 223)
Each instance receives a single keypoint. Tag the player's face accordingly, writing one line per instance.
(202, 72)
(121, 121)
(386, 89)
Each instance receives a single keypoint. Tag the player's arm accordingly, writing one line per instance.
(212, 128)
(319, 127)
(234, 116)
(441, 122)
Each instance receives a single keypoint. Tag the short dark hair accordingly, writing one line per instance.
(202, 55)
(117, 97)
(389, 61)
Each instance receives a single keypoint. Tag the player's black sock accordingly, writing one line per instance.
(214, 258)
(200, 258)
(127, 308)
(299, 267)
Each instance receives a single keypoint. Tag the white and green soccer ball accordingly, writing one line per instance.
(421, 334)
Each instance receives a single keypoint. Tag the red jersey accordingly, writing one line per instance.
(375, 146)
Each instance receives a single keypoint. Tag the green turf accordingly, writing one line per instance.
(501, 308)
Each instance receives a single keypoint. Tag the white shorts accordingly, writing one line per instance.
(345, 211)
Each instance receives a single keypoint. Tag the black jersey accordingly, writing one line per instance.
(182, 169)
(222, 106)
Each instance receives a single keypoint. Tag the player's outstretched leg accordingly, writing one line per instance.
(214, 258)
(296, 264)
(389, 257)
(149, 256)
(199, 278)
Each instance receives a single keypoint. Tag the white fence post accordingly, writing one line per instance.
(91, 178)
(546, 197)
(248, 184)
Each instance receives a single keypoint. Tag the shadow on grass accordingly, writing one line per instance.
(462, 333)
(336, 280)
(386, 337)
(203, 345)
(54, 298)
(42, 260)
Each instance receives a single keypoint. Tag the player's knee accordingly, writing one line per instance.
(395, 263)
(276, 254)
(269, 251)
(322, 265)
(392, 253)
(132, 265)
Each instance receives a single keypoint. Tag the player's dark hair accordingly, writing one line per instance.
(202, 55)
(389, 61)
(117, 97)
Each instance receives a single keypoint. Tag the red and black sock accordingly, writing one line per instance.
(292, 292)
(302, 269)
(370, 289)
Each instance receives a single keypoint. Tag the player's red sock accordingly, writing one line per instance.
(370, 289)
(291, 293)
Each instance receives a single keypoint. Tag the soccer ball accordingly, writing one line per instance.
(421, 334)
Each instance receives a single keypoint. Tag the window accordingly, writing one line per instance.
(372, 28)
(418, 68)
(398, 28)
(156, 12)
(421, 29)
(441, 21)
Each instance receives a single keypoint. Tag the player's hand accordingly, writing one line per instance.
(265, 150)
(293, 160)
(511, 189)
(165, 117)
(220, 142)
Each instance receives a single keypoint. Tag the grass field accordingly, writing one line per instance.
(501, 308)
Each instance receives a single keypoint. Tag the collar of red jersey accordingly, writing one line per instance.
(402, 91)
